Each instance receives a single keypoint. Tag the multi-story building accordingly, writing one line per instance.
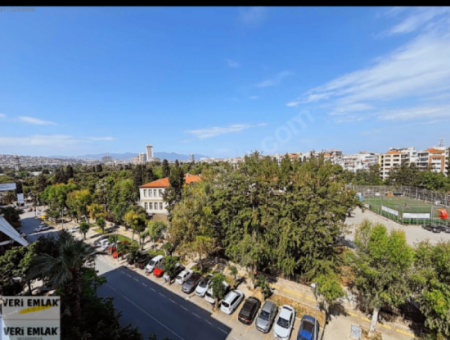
(447, 161)
(151, 194)
(394, 158)
(433, 158)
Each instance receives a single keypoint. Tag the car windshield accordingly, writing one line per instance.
(190, 281)
(204, 283)
(282, 322)
(264, 315)
(179, 277)
(209, 293)
(225, 304)
(152, 263)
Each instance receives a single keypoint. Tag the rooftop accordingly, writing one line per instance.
(164, 182)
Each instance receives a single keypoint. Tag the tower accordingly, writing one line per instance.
(17, 161)
(191, 157)
(149, 149)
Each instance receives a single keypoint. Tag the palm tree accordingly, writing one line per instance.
(64, 270)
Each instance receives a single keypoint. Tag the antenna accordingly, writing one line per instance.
(441, 141)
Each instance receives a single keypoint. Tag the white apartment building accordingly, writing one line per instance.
(151, 194)
(434, 157)
(395, 157)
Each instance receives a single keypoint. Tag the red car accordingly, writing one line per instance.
(159, 270)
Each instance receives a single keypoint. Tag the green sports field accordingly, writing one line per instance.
(403, 205)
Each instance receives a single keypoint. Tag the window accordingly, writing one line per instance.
(154, 192)
(150, 206)
(160, 193)
(160, 205)
(150, 192)
(146, 206)
(145, 192)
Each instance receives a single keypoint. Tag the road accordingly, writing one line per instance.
(154, 309)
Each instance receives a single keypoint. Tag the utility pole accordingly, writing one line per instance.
(314, 287)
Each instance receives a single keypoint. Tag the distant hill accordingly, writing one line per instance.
(170, 156)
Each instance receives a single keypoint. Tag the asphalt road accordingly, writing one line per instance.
(154, 309)
(29, 223)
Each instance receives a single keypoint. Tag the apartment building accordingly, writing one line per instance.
(151, 194)
(433, 158)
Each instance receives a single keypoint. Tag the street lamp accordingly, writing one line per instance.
(314, 286)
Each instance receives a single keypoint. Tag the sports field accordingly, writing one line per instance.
(403, 205)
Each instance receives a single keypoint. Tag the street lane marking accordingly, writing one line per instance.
(353, 314)
(198, 316)
(209, 322)
(221, 330)
(366, 319)
(183, 307)
(152, 289)
(405, 332)
(246, 330)
(230, 319)
(161, 294)
(172, 300)
(382, 325)
(268, 333)
(170, 330)
(144, 284)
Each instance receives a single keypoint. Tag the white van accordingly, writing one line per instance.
(104, 243)
(209, 294)
(153, 263)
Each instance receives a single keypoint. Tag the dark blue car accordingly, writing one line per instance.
(308, 328)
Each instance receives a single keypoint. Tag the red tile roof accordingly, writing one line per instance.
(164, 182)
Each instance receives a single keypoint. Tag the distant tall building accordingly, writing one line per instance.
(149, 149)
(191, 157)
(142, 158)
(106, 159)
(135, 159)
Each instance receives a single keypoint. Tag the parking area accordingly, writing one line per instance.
(239, 331)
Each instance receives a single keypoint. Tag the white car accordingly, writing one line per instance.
(203, 285)
(231, 301)
(42, 227)
(153, 263)
(209, 293)
(74, 229)
(285, 323)
(183, 276)
(104, 244)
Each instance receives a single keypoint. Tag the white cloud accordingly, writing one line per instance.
(253, 97)
(232, 63)
(2, 115)
(36, 121)
(274, 81)
(47, 140)
(419, 18)
(253, 16)
(217, 131)
(293, 104)
(415, 112)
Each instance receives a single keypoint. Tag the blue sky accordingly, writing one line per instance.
(223, 81)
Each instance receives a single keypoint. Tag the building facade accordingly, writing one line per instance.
(151, 194)
(433, 158)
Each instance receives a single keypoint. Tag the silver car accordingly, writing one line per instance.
(265, 318)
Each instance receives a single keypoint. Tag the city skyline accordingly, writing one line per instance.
(236, 80)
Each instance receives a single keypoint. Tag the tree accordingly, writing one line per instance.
(95, 211)
(84, 228)
(98, 168)
(382, 266)
(173, 193)
(101, 224)
(330, 289)
(170, 266)
(233, 271)
(165, 168)
(218, 289)
(136, 220)
(431, 286)
(68, 172)
(156, 229)
(264, 286)
(65, 270)
(79, 201)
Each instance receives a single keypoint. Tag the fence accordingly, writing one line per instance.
(405, 205)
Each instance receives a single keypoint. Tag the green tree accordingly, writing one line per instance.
(431, 285)
(101, 224)
(234, 272)
(156, 229)
(173, 193)
(382, 267)
(331, 291)
(218, 289)
(165, 168)
(170, 266)
(264, 286)
(84, 228)
(65, 270)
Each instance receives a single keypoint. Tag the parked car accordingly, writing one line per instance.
(183, 276)
(209, 293)
(159, 270)
(42, 227)
(444, 228)
(178, 269)
(143, 261)
(203, 285)
(190, 284)
(104, 244)
(431, 227)
(153, 263)
(89, 263)
(249, 310)
(98, 241)
(285, 323)
(265, 318)
(309, 327)
(231, 301)
(74, 229)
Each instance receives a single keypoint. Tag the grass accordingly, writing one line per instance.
(153, 253)
(403, 205)
(98, 230)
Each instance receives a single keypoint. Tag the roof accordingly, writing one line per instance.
(393, 152)
(286, 311)
(431, 150)
(164, 182)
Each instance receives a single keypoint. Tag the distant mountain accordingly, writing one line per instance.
(170, 156)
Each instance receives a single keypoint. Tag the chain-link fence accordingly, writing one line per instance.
(406, 205)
